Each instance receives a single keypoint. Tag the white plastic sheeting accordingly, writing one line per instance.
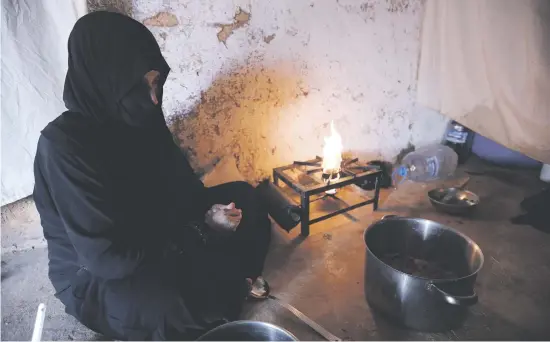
(34, 63)
(486, 64)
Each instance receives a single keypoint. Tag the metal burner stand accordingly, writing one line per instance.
(351, 173)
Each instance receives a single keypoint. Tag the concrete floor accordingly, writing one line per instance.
(322, 275)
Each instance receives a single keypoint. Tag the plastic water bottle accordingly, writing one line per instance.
(428, 163)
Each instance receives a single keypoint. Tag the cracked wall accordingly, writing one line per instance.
(261, 81)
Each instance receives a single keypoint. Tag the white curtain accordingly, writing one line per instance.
(486, 64)
(33, 67)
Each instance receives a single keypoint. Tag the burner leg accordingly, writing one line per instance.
(376, 193)
(305, 214)
(275, 178)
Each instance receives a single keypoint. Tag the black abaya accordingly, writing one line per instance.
(116, 198)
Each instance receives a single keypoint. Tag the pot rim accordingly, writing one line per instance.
(251, 323)
(402, 218)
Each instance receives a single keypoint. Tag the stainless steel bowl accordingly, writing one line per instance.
(453, 200)
(248, 331)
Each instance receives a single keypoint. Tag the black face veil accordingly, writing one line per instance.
(109, 55)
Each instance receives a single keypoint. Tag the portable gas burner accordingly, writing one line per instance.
(309, 179)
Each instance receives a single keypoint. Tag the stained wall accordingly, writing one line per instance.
(261, 80)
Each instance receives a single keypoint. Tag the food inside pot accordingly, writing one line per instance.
(458, 201)
(418, 267)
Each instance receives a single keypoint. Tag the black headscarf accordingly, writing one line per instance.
(109, 55)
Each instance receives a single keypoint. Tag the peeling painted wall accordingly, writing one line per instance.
(262, 80)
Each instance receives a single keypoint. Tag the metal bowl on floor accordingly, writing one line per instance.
(453, 200)
(248, 331)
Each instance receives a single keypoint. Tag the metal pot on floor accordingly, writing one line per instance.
(248, 331)
(420, 273)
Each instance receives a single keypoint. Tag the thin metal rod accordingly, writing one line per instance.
(39, 323)
(305, 163)
(347, 162)
(376, 193)
(312, 324)
(275, 178)
(305, 215)
(340, 211)
(313, 162)
(314, 170)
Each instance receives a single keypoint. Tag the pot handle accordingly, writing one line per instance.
(456, 300)
(389, 216)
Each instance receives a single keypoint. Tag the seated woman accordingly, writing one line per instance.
(139, 249)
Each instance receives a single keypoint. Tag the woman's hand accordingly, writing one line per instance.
(223, 218)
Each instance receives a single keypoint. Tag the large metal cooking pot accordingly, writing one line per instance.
(420, 273)
(248, 331)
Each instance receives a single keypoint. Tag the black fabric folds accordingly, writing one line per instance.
(109, 173)
(116, 199)
(113, 190)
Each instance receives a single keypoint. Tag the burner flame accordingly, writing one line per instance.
(332, 152)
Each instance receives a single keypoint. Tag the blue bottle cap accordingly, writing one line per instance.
(402, 171)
